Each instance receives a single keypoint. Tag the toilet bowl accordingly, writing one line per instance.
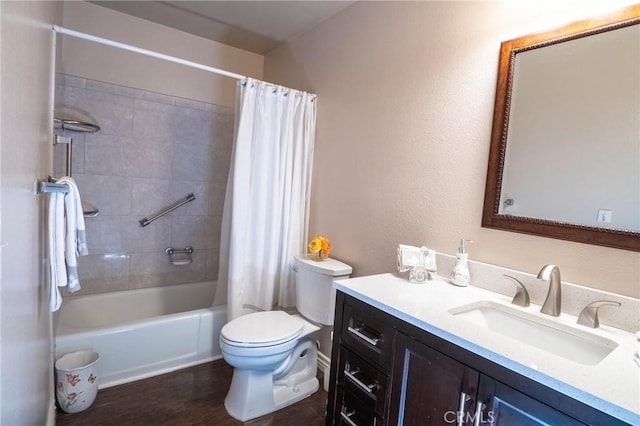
(275, 360)
(274, 353)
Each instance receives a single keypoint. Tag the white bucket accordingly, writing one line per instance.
(77, 380)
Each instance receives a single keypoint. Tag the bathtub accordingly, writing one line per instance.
(142, 333)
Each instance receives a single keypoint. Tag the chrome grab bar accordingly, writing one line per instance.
(147, 220)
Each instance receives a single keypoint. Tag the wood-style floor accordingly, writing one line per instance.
(189, 397)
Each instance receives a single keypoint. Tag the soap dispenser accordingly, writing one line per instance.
(460, 275)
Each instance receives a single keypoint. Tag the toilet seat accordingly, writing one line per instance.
(261, 329)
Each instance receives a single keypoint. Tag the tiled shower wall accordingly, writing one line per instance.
(151, 151)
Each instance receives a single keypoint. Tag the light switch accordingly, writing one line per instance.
(604, 216)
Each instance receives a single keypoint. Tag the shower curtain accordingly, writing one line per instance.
(266, 209)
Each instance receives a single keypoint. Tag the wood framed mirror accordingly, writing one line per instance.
(564, 159)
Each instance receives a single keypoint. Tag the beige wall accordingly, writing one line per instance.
(94, 61)
(26, 386)
(406, 93)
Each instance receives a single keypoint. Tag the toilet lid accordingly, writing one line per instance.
(262, 329)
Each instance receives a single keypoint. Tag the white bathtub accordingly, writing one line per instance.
(143, 333)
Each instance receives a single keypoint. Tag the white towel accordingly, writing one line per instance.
(67, 240)
(56, 249)
(409, 256)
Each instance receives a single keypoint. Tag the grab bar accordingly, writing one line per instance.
(147, 220)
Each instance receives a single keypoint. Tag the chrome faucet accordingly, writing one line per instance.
(521, 298)
(552, 304)
(589, 315)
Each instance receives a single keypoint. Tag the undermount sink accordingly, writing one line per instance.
(559, 339)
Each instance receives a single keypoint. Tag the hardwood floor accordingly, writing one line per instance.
(189, 397)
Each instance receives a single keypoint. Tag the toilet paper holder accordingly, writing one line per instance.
(179, 257)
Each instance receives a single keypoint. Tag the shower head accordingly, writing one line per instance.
(75, 126)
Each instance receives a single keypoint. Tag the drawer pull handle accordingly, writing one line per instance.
(347, 417)
(357, 332)
(463, 401)
(478, 415)
(365, 387)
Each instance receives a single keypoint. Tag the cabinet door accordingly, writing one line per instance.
(504, 406)
(429, 388)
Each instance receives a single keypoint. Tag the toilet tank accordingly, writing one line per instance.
(315, 295)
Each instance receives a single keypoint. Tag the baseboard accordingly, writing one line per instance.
(324, 365)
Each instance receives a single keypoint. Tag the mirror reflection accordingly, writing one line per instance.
(564, 160)
(573, 140)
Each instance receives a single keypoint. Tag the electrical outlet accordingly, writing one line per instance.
(604, 216)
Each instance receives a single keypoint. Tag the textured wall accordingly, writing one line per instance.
(151, 151)
(26, 385)
(405, 103)
(103, 63)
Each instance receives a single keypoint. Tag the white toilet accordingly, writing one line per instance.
(274, 354)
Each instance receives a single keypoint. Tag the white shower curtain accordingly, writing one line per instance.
(266, 210)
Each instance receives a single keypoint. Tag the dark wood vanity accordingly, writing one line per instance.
(386, 371)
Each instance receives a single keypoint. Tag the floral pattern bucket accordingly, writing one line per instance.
(77, 380)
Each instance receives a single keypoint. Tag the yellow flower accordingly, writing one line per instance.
(315, 245)
(320, 244)
(326, 246)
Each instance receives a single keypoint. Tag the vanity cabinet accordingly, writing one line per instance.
(363, 360)
(385, 371)
(429, 387)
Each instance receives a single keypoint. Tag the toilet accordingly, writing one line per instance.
(274, 353)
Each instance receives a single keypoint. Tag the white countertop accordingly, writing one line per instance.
(612, 386)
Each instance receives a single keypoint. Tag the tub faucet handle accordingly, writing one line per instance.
(589, 314)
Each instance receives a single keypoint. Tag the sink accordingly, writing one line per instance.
(553, 337)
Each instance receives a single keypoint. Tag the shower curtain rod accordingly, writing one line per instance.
(112, 43)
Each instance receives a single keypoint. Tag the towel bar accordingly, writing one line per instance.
(47, 187)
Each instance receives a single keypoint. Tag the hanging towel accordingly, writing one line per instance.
(67, 240)
(56, 249)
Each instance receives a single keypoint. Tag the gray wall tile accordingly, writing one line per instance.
(153, 270)
(102, 273)
(72, 81)
(110, 194)
(113, 113)
(217, 192)
(114, 89)
(123, 234)
(199, 232)
(188, 103)
(154, 97)
(193, 162)
(151, 195)
(212, 266)
(111, 155)
(170, 123)
(153, 149)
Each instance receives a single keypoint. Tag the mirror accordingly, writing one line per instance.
(564, 160)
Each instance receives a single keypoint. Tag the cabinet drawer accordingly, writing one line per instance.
(360, 378)
(367, 334)
(355, 411)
